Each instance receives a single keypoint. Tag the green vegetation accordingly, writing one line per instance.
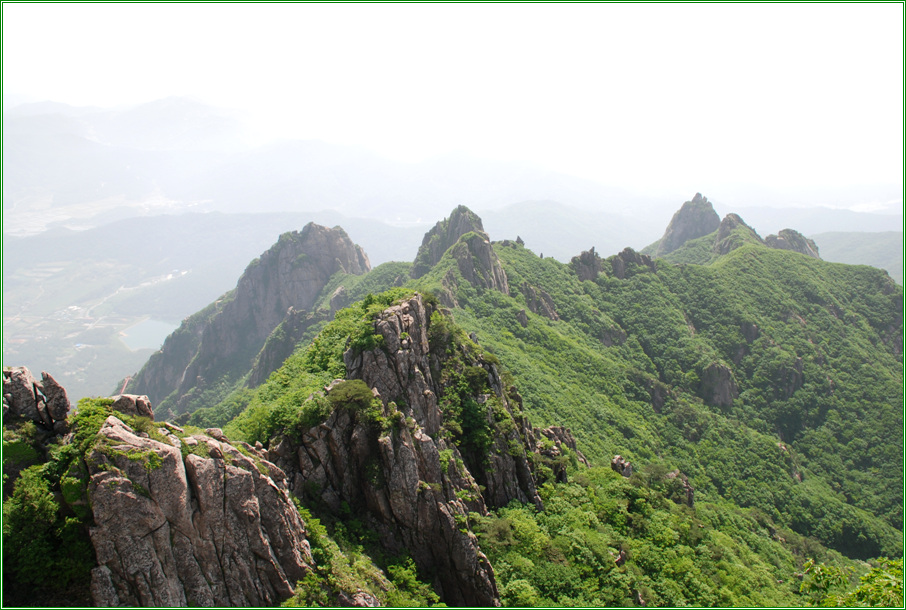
(288, 400)
(41, 535)
(809, 348)
(604, 540)
(831, 586)
(772, 380)
(345, 567)
(812, 347)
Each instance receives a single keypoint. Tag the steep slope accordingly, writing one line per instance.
(654, 361)
(421, 434)
(149, 515)
(213, 349)
(726, 402)
(763, 351)
(370, 454)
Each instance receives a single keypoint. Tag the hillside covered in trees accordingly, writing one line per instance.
(717, 421)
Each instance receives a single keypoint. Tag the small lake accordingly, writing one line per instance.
(149, 334)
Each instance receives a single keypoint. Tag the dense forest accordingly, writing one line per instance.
(736, 410)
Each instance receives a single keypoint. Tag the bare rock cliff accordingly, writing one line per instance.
(213, 527)
(732, 233)
(789, 239)
(224, 340)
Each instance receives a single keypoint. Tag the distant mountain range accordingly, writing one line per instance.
(88, 166)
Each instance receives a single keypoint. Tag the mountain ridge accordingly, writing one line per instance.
(744, 378)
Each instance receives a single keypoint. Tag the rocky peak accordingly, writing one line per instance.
(587, 265)
(624, 262)
(733, 233)
(443, 235)
(224, 340)
(696, 218)
(44, 402)
(190, 520)
(789, 239)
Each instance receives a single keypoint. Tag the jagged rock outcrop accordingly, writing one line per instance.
(418, 469)
(694, 219)
(733, 233)
(442, 236)
(717, 385)
(222, 341)
(789, 239)
(557, 438)
(478, 263)
(621, 465)
(539, 302)
(587, 265)
(210, 529)
(628, 259)
(683, 493)
(131, 404)
(44, 402)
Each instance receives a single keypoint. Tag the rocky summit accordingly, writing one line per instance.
(696, 218)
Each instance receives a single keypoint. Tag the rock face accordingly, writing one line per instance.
(210, 529)
(539, 302)
(683, 491)
(718, 386)
(223, 340)
(478, 263)
(788, 239)
(587, 265)
(627, 260)
(43, 402)
(417, 475)
(558, 438)
(620, 465)
(130, 404)
(444, 234)
(694, 219)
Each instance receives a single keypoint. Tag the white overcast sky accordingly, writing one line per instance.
(662, 96)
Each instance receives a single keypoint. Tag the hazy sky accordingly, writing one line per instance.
(642, 96)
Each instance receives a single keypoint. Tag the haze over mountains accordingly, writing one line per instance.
(112, 217)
